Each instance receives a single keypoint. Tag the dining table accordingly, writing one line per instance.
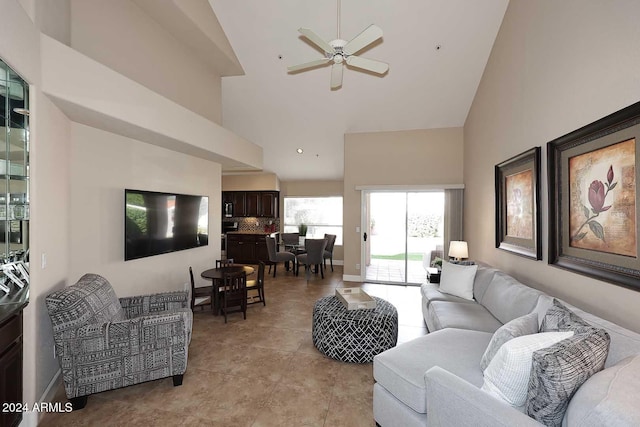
(216, 275)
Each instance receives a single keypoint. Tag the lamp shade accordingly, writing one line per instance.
(458, 249)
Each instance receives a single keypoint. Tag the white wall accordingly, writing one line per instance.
(555, 67)
(102, 166)
(120, 35)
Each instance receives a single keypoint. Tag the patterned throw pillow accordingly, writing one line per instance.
(525, 325)
(560, 318)
(558, 371)
(507, 376)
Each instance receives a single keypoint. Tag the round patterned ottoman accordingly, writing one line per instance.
(354, 336)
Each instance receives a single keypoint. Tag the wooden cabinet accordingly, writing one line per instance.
(11, 367)
(247, 248)
(253, 203)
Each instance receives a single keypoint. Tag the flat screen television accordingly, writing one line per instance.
(157, 223)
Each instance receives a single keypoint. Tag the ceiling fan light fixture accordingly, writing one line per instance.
(340, 52)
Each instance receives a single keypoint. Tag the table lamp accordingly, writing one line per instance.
(458, 249)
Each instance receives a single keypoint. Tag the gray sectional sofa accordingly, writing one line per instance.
(435, 380)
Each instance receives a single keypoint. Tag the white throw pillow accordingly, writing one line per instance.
(507, 376)
(458, 279)
(525, 325)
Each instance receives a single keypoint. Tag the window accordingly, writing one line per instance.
(320, 214)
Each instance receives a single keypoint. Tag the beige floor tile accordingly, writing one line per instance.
(262, 371)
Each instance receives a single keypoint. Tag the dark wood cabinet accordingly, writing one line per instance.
(247, 248)
(11, 367)
(252, 203)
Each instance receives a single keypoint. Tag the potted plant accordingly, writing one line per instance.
(437, 263)
(302, 233)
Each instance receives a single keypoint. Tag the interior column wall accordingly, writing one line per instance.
(555, 67)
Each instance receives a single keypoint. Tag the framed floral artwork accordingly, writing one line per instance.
(517, 185)
(593, 216)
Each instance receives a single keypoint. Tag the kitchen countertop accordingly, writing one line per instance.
(259, 233)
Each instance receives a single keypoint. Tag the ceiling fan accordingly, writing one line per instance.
(338, 52)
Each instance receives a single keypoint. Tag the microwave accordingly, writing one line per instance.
(228, 209)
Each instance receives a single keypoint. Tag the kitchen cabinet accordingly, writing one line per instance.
(11, 367)
(237, 200)
(253, 203)
(245, 248)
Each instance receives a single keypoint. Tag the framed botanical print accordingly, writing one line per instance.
(593, 212)
(517, 187)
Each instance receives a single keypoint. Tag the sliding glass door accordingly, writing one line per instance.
(404, 232)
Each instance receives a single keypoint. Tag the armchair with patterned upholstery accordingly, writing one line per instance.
(104, 343)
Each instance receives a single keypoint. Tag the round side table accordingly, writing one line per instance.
(354, 336)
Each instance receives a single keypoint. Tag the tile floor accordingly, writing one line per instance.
(263, 371)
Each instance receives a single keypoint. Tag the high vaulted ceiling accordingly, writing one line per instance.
(425, 87)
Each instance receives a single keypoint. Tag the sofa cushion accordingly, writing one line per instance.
(90, 300)
(560, 318)
(484, 276)
(444, 314)
(401, 369)
(506, 298)
(458, 279)
(507, 376)
(525, 325)
(558, 371)
(431, 292)
(609, 397)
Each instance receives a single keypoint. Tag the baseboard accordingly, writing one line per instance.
(351, 278)
(31, 418)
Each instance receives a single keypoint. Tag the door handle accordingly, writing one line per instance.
(365, 236)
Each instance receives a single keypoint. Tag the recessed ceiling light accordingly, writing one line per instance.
(299, 151)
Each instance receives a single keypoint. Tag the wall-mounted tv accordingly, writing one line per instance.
(157, 223)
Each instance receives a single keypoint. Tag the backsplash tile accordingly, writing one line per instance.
(255, 225)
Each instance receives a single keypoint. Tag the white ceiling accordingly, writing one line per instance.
(424, 88)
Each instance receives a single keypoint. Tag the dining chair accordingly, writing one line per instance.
(313, 256)
(258, 285)
(276, 257)
(234, 294)
(202, 293)
(223, 262)
(328, 251)
(290, 241)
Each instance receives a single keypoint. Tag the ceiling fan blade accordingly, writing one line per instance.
(336, 76)
(368, 64)
(308, 65)
(315, 39)
(365, 38)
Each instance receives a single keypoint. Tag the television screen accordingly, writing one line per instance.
(157, 223)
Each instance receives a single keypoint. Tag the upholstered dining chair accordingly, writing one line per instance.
(276, 257)
(202, 293)
(328, 251)
(313, 256)
(234, 294)
(257, 285)
(222, 262)
(290, 241)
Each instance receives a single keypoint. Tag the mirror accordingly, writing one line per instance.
(14, 167)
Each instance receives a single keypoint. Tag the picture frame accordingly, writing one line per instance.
(593, 216)
(517, 197)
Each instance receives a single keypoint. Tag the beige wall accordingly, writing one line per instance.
(102, 166)
(120, 35)
(409, 158)
(107, 161)
(251, 182)
(555, 66)
(313, 189)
